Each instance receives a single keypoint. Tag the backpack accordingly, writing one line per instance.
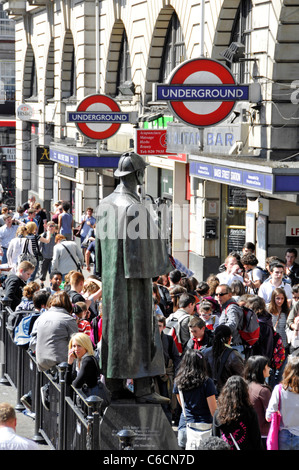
(250, 329)
(279, 355)
(14, 319)
(22, 334)
(265, 273)
(173, 327)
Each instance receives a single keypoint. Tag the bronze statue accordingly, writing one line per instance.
(129, 253)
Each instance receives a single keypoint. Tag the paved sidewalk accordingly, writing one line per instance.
(25, 424)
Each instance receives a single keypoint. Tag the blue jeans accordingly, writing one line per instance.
(287, 440)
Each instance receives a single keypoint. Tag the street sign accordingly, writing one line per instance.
(98, 117)
(202, 92)
(151, 142)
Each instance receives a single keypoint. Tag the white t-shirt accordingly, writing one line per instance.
(225, 278)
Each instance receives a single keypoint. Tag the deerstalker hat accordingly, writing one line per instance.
(128, 163)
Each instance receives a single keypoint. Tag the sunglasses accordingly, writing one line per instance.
(221, 294)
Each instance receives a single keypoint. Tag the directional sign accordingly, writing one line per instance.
(202, 92)
(98, 117)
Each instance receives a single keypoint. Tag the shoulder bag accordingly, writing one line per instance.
(272, 438)
(100, 390)
(195, 432)
(78, 266)
(26, 256)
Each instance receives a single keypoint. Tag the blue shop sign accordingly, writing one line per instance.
(232, 176)
(83, 161)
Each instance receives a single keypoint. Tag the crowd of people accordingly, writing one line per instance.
(212, 374)
(226, 380)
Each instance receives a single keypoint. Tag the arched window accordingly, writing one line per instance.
(124, 84)
(241, 33)
(174, 51)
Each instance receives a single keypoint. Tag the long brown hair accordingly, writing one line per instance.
(272, 305)
(290, 377)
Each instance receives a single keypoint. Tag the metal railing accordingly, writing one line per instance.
(72, 421)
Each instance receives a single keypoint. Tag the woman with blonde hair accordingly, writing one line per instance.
(83, 369)
(32, 244)
(15, 248)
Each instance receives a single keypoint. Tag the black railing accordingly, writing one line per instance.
(71, 421)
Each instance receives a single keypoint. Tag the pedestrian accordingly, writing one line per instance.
(15, 283)
(232, 271)
(83, 371)
(33, 242)
(231, 314)
(9, 439)
(201, 336)
(265, 344)
(257, 371)
(67, 256)
(15, 247)
(222, 360)
(88, 222)
(31, 217)
(47, 251)
(41, 217)
(198, 390)
(235, 419)
(54, 329)
(65, 222)
(7, 233)
(81, 313)
(27, 298)
(205, 311)
(172, 359)
(276, 280)
(285, 397)
(57, 211)
(55, 282)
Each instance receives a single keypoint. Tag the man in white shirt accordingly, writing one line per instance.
(276, 280)
(232, 271)
(9, 439)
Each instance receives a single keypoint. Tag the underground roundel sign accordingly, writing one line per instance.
(98, 117)
(201, 92)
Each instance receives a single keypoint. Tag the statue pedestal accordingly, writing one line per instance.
(149, 423)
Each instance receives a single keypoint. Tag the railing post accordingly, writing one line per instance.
(62, 367)
(37, 404)
(126, 438)
(93, 431)
(20, 371)
(3, 379)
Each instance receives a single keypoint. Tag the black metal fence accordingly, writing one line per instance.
(70, 422)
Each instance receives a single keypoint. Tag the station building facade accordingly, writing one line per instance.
(233, 182)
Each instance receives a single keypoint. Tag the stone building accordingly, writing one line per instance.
(235, 181)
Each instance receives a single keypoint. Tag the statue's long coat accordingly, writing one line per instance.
(129, 253)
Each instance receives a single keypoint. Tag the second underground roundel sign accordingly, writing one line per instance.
(198, 92)
(98, 105)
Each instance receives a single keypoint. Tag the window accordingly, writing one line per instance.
(124, 83)
(7, 81)
(174, 51)
(7, 26)
(241, 33)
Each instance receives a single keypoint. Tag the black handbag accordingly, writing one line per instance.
(99, 390)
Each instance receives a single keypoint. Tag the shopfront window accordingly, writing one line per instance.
(233, 225)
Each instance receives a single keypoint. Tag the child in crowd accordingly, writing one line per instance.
(205, 311)
(81, 313)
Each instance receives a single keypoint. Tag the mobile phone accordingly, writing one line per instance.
(74, 354)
